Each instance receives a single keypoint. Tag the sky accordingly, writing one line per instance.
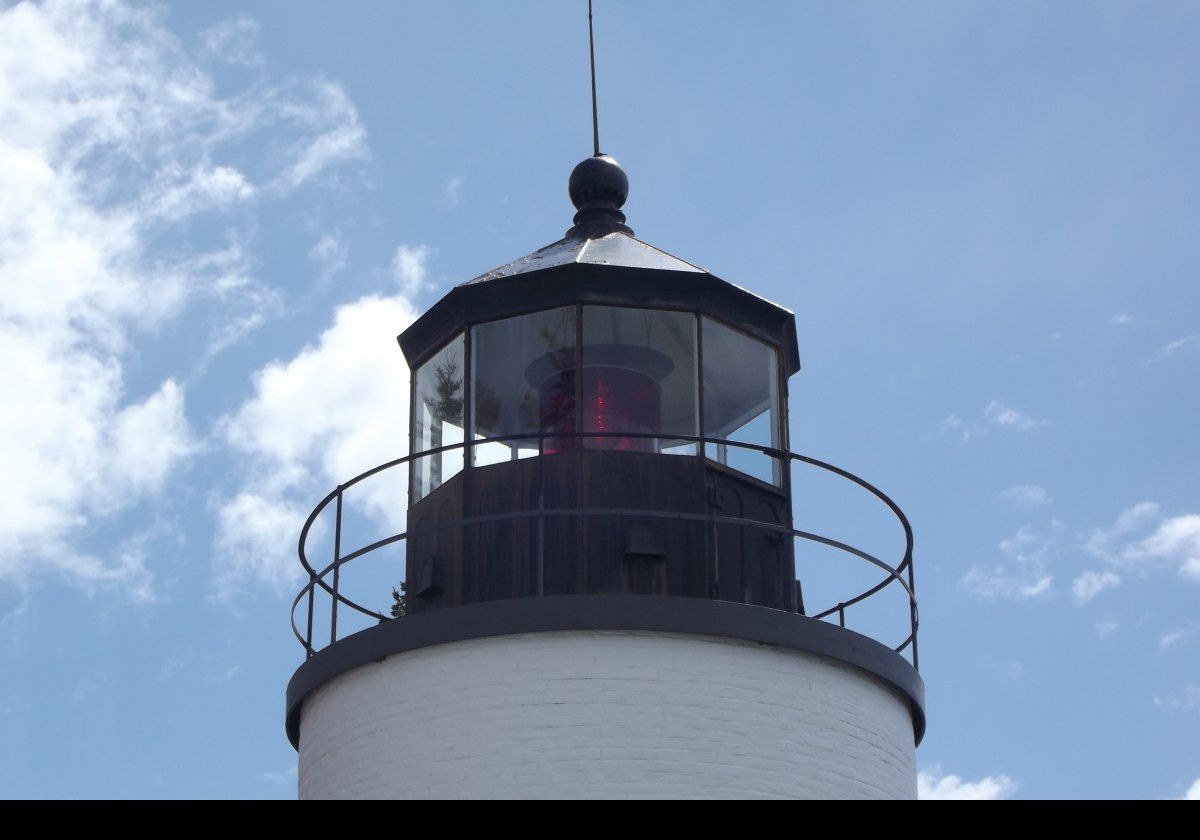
(215, 218)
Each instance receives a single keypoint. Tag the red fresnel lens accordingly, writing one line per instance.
(620, 394)
(621, 400)
(614, 400)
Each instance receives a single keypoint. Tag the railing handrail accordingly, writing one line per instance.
(317, 577)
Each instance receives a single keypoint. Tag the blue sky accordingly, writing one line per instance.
(214, 218)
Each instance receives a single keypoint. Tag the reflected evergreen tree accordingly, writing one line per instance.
(447, 387)
(400, 600)
(446, 407)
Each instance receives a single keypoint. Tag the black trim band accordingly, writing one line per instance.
(565, 285)
(650, 613)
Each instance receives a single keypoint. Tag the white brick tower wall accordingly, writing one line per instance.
(573, 714)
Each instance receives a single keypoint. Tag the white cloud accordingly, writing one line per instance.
(409, 270)
(995, 582)
(146, 440)
(1005, 417)
(1187, 700)
(1193, 793)
(931, 784)
(955, 426)
(330, 254)
(337, 408)
(340, 136)
(1026, 495)
(1090, 584)
(177, 194)
(1175, 347)
(234, 41)
(995, 416)
(1174, 541)
(1108, 543)
(1121, 319)
(254, 542)
(1107, 627)
(1179, 634)
(1190, 569)
(1022, 575)
(226, 675)
(114, 142)
(453, 191)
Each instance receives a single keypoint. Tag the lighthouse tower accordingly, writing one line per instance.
(601, 596)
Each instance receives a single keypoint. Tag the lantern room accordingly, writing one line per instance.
(625, 390)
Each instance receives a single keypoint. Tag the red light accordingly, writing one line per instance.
(614, 400)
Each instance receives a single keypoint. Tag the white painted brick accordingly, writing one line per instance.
(606, 714)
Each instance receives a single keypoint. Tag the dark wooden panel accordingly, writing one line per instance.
(604, 554)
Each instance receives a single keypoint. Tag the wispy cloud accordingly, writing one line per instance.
(1122, 319)
(333, 135)
(955, 426)
(1026, 495)
(1005, 417)
(1091, 583)
(330, 254)
(1109, 544)
(1024, 572)
(177, 193)
(1183, 633)
(226, 675)
(1187, 700)
(1173, 542)
(453, 191)
(233, 41)
(933, 785)
(1174, 348)
(409, 265)
(996, 416)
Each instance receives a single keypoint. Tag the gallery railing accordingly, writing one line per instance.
(328, 578)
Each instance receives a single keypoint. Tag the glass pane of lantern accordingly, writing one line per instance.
(438, 418)
(741, 399)
(522, 381)
(639, 375)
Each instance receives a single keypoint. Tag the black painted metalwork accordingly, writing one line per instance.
(577, 280)
(598, 188)
(600, 264)
(646, 613)
(327, 578)
(595, 109)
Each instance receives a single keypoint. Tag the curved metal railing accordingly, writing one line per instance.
(328, 577)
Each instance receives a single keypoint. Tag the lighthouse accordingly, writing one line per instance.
(601, 594)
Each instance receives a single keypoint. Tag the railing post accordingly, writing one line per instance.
(337, 564)
(912, 612)
(308, 639)
(541, 520)
(710, 502)
(795, 597)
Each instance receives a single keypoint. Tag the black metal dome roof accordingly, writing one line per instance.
(599, 261)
